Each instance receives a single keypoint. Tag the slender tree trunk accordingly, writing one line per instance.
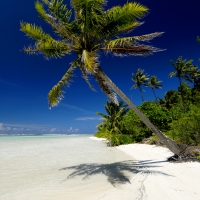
(180, 82)
(141, 94)
(154, 94)
(169, 143)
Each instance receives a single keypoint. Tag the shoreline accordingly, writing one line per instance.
(156, 178)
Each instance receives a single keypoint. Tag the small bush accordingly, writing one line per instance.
(119, 139)
(187, 128)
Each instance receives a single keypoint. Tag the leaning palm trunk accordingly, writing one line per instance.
(171, 144)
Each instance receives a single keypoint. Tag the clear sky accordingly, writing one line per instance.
(26, 80)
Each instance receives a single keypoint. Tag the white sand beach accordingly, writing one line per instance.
(59, 168)
(156, 178)
(83, 168)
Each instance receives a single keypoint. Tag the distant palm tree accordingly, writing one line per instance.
(154, 83)
(115, 114)
(140, 78)
(87, 31)
(181, 66)
(194, 75)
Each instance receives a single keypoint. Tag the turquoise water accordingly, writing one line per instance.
(36, 137)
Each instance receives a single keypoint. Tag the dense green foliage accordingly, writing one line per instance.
(187, 128)
(177, 114)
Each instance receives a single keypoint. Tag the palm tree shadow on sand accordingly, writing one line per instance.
(115, 172)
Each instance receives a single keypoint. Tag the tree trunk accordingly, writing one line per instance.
(154, 94)
(141, 94)
(180, 82)
(169, 143)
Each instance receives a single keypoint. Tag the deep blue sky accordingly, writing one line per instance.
(26, 80)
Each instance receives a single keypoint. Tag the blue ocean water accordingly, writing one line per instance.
(41, 136)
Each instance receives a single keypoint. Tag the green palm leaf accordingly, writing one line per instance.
(172, 74)
(56, 93)
(129, 41)
(60, 21)
(118, 17)
(34, 32)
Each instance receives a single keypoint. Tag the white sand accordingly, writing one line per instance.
(85, 169)
(156, 178)
(59, 168)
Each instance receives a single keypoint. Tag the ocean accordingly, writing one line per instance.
(58, 167)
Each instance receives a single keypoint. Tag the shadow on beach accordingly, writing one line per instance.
(116, 172)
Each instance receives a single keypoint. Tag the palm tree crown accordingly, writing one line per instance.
(154, 83)
(193, 74)
(140, 78)
(93, 30)
(114, 115)
(181, 66)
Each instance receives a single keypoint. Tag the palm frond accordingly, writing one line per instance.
(148, 37)
(59, 10)
(85, 76)
(172, 74)
(58, 18)
(131, 50)
(56, 93)
(131, 42)
(105, 87)
(88, 13)
(134, 86)
(34, 32)
(118, 17)
(49, 48)
(126, 28)
(90, 61)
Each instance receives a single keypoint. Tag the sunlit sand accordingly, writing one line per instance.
(60, 168)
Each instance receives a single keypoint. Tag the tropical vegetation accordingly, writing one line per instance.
(177, 117)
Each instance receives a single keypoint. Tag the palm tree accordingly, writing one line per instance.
(154, 83)
(181, 66)
(194, 75)
(115, 114)
(91, 31)
(140, 78)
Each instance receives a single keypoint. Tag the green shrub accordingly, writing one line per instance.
(187, 128)
(133, 126)
(119, 139)
(156, 114)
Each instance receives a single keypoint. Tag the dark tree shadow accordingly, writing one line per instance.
(115, 172)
